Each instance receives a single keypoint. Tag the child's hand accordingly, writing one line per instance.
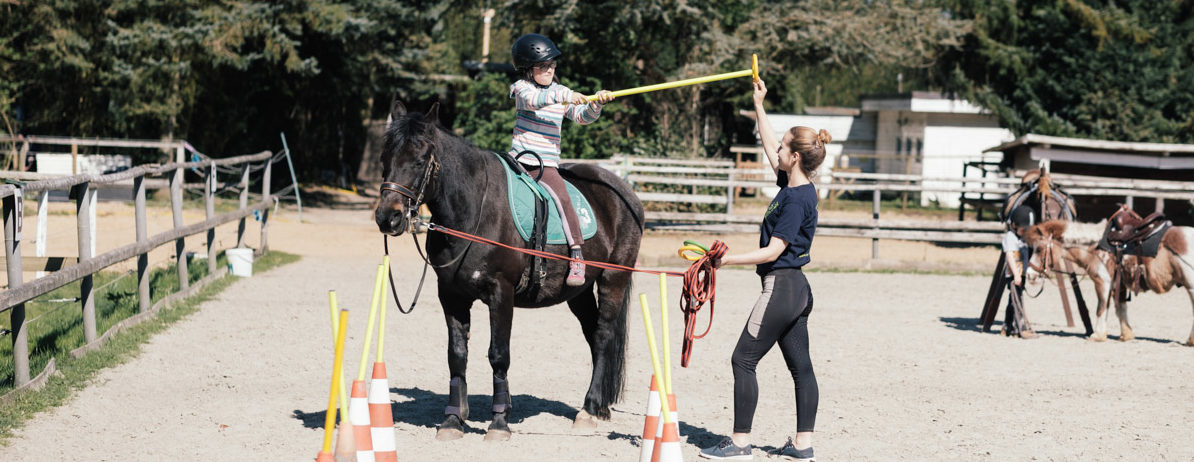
(578, 98)
(760, 91)
(604, 96)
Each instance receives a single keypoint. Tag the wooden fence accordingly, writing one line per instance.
(642, 173)
(82, 191)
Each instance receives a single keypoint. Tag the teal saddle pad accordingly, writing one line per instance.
(523, 191)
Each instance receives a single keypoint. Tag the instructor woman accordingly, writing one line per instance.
(781, 313)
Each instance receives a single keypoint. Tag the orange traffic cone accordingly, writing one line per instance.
(358, 414)
(381, 417)
(657, 454)
(651, 423)
(669, 450)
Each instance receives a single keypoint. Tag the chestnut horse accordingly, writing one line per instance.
(1172, 266)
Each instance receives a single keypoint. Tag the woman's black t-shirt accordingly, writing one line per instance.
(792, 216)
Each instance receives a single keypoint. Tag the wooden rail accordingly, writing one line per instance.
(83, 193)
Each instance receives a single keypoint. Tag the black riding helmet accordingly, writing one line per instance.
(1023, 216)
(531, 49)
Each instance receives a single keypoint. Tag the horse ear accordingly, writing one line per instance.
(433, 111)
(397, 109)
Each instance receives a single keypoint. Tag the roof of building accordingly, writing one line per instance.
(1104, 145)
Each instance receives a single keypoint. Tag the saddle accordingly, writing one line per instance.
(538, 220)
(1128, 233)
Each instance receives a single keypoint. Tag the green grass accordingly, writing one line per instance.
(56, 328)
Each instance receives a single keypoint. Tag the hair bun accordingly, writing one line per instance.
(824, 136)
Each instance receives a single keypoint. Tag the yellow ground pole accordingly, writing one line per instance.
(666, 413)
(334, 307)
(381, 322)
(752, 72)
(667, 349)
(381, 271)
(329, 422)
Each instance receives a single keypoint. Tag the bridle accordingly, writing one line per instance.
(413, 199)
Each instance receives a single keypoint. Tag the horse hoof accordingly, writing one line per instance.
(1098, 338)
(584, 421)
(449, 434)
(497, 435)
(1190, 343)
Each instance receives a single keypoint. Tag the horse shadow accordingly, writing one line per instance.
(974, 325)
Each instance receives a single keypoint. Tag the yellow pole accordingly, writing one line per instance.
(372, 319)
(663, 404)
(752, 72)
(329, 422)
(334, 307)
(667, 349)
(381, 322)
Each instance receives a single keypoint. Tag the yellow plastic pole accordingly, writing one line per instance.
(381, 322)
(663, 404)
(372, 318)
(752, 72)
(329, 422)
(667, 349)
(334, 307)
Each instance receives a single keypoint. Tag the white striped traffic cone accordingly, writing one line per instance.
(651, 424)
(669, 449)
(358, 414)
(658, 455)
(381, 417)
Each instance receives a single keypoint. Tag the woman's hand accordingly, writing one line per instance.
(578, 98)
(760, 92)
(604, 96)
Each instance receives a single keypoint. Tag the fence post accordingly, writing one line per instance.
(265, 195)
(244, 202)
(209, 198)
(84, 202)
(143, 300)
(875, 215)
(730, 194)
(180, 248)
(20, 332)
(43, 213)
(1130, 202)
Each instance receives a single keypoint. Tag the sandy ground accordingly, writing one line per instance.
(903, 372)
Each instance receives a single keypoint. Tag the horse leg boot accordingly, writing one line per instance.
(457, 315)
(499, 430)
(456, 413)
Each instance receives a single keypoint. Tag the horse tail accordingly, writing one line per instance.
(615, 379)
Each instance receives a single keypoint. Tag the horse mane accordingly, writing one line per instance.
(1052, 229)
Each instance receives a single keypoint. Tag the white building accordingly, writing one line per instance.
(918, 133)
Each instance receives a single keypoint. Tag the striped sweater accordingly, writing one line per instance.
(541, 116)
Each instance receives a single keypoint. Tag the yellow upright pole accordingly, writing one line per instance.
(752, 72)
(381, 322)
(667, 349)
(665, 412)
(372, 318)
(329, 422)
(334, 307)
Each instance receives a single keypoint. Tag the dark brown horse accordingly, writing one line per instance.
(465, 189)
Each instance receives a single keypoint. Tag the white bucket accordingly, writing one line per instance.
(240, 261)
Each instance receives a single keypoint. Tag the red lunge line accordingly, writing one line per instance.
(700, 280)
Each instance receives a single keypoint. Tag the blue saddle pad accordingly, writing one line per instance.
(523, 190)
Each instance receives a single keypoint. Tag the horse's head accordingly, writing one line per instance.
(409, 164)
(1048, 247)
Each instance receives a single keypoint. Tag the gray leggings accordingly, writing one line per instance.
(559, 192)
(780, 316)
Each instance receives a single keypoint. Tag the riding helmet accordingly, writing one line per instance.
(531, 49)
(1023, 216)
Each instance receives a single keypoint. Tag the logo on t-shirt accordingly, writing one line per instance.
(771, 208)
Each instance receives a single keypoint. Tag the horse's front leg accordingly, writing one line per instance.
(456, 314)
(1190, 292)
(501, 317)
(1121, 312)
(1102, 282)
